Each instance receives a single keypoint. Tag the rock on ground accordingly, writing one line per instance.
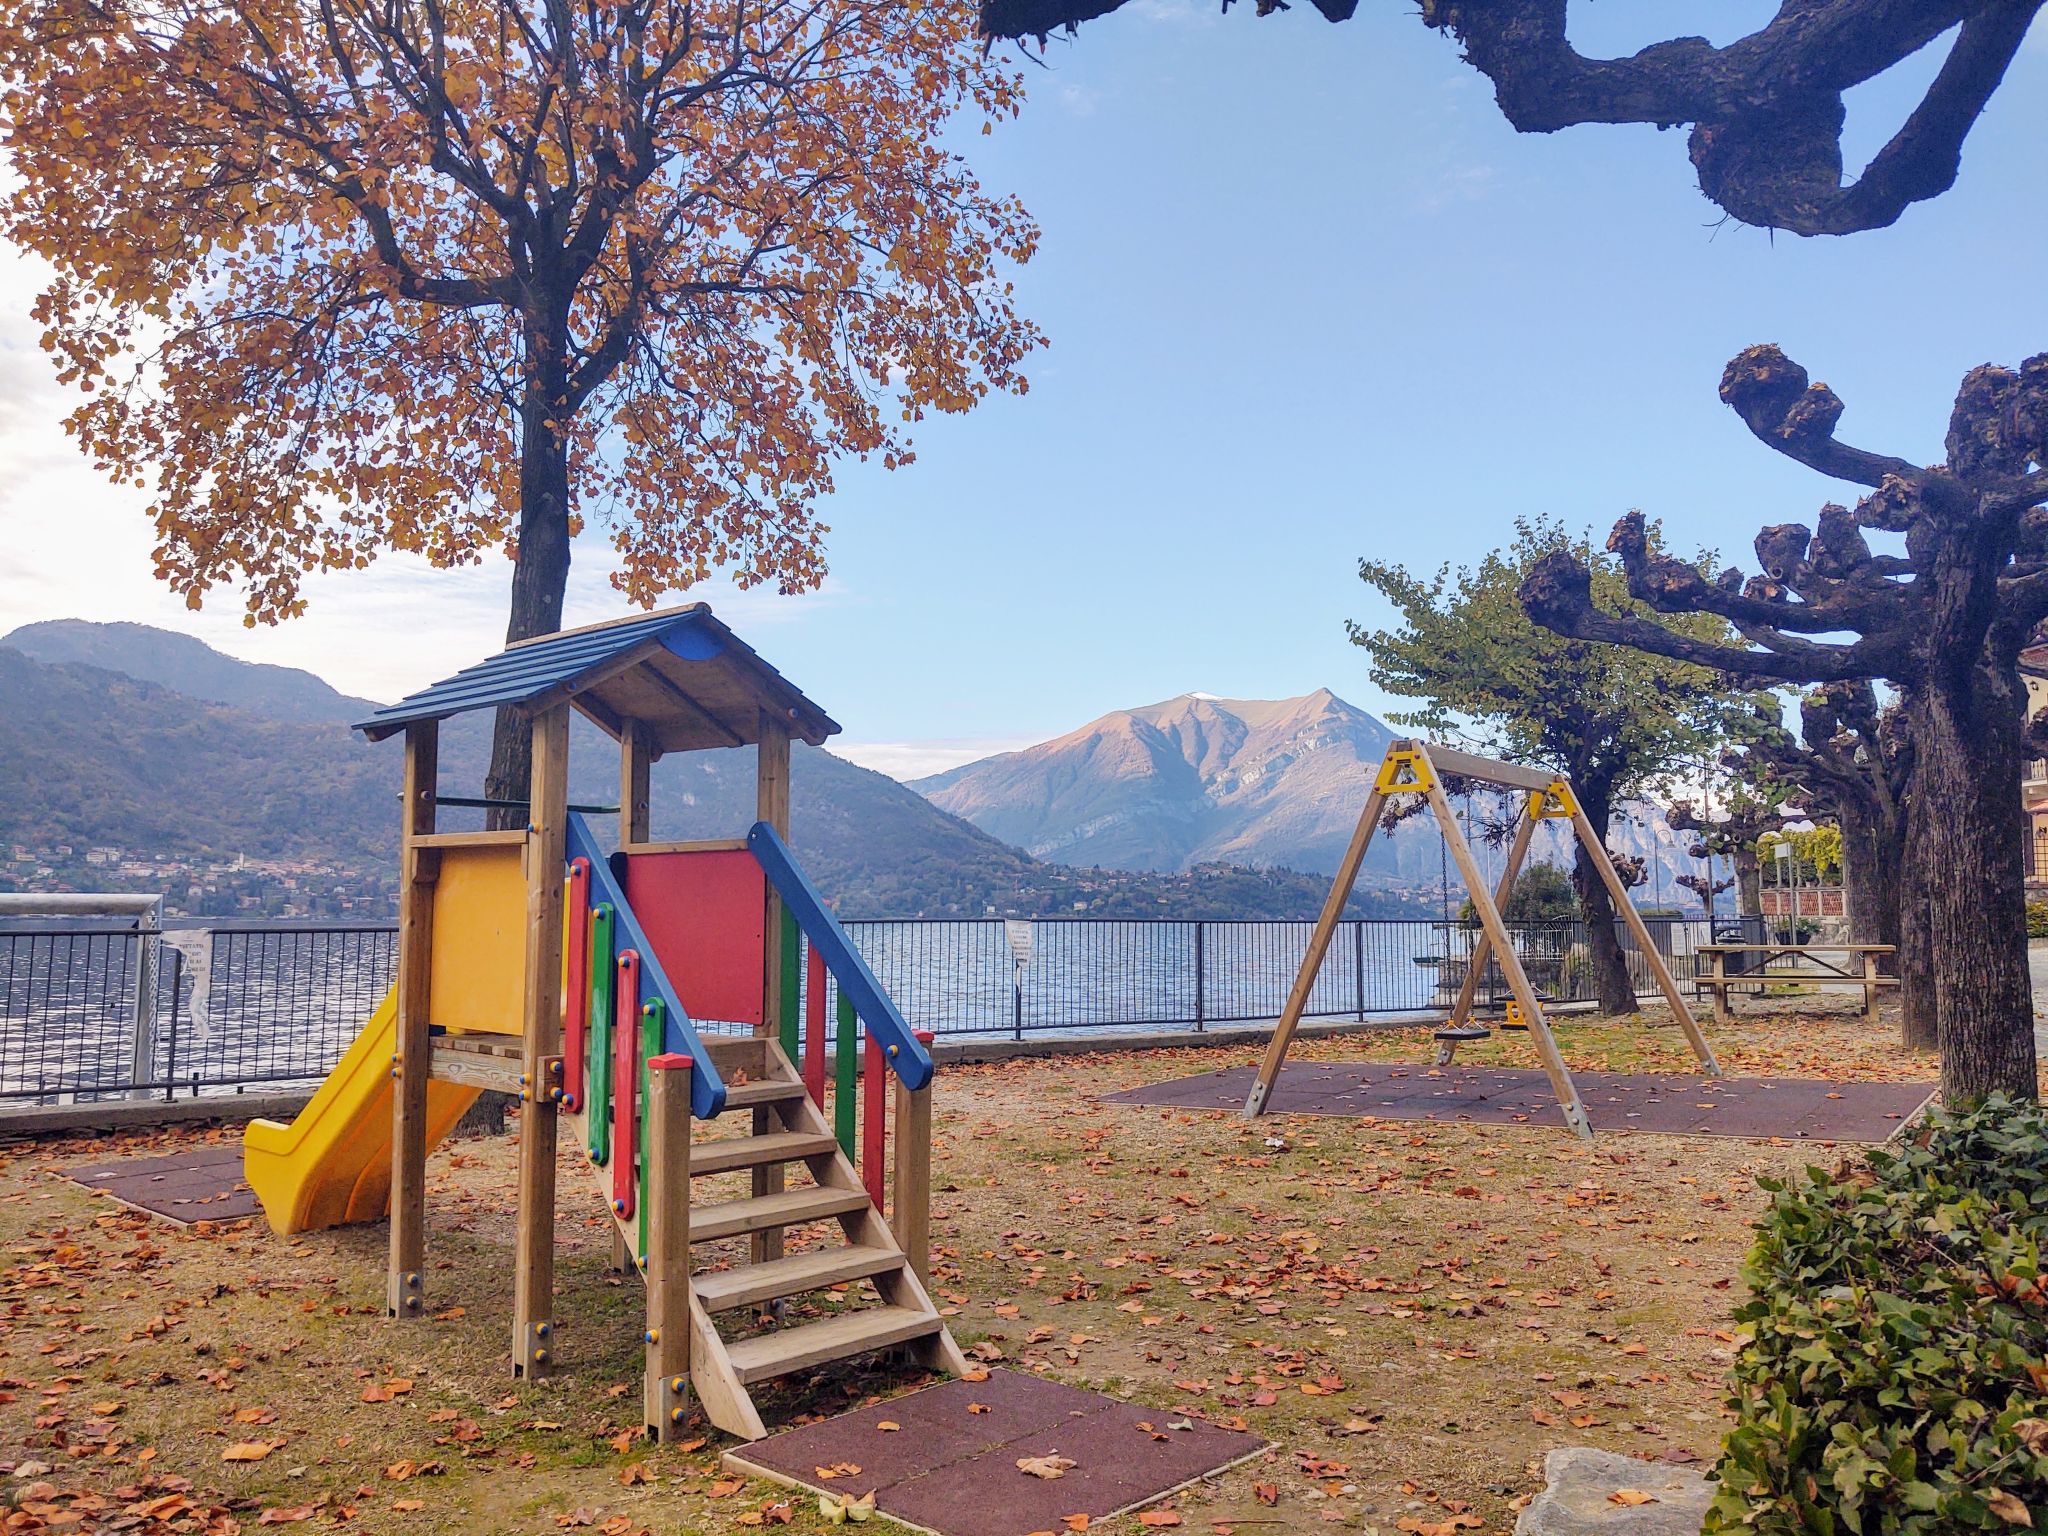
(1592, 1493)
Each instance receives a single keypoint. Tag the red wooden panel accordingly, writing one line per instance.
(814, 1030)
(705, 915)
(874, 1110)
(625, 1082)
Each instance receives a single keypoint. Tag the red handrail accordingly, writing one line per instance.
(814, 1029)
(625, 1082)
(874, 1123)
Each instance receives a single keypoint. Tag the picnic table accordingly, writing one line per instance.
(1807, 964)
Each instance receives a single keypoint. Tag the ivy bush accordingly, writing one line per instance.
(1894, 1380)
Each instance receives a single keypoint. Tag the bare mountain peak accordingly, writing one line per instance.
(1197, 778)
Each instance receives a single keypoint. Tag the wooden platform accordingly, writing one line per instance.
(1677, 1103)
(203, 1184)
(951, 1464)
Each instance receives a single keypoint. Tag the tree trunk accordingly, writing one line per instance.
(1967, 773)
(540, 575)
(1749, 881)
(1611, 985)
(540, 581)
(1916, 934)
(1867, 887)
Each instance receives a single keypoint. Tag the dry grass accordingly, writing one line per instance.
(1414, 1313)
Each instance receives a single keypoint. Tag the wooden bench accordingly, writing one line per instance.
(1818, 967)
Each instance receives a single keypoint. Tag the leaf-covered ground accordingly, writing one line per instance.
(1414, 1313)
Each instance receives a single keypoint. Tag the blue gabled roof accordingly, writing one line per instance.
(556, 668)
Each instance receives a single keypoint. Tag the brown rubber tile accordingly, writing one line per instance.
(953, 1469)
(204, 1184)
(1799, 1109)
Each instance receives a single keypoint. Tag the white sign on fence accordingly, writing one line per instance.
(1018, 931)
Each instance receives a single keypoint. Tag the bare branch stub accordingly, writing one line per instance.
(1766, 111)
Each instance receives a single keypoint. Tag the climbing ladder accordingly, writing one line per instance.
(823, 1275)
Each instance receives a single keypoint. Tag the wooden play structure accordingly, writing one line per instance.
(531, 962)
(1415, 768)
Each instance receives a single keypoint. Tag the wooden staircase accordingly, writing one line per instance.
(803, 1238)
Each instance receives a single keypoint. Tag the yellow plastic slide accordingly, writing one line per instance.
(332, 1164)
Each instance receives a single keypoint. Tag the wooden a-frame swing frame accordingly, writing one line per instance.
(1413, 767)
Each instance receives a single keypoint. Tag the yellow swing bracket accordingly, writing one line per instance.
(1555, 802)
(1404, 771)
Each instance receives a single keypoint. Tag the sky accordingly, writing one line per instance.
(1310, 299)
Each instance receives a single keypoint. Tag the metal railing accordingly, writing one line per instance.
(251, 1005)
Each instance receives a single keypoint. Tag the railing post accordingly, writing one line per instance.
(171, 1051)
(1358, 965)
(1201, 988)
(665, 1258)
(911, 1217)
(142, 1024)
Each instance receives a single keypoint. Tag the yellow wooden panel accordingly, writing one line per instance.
(479, 972)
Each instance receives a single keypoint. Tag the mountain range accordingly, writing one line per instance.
(168, 765)
(1200, 779)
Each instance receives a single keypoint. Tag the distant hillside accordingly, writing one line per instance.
(128, 772)
(1262, 782)
(91, 757)
(189, 667)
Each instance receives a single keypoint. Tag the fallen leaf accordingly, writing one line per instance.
(1630, 1497)
(249, 1450)
(1047, 1467)
(2008, 1508)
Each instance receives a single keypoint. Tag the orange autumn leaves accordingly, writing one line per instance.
(330, 274)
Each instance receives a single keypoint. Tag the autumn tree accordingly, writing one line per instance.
(454, 276)
(1766, 111)
(1614, 721)
(1943, 618)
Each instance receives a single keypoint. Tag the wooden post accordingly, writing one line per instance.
(1870, 985)
(1720, 983)
(636, 760)
(1482, 950)
(533, 1284)
(771, 804)
(1312, 962)
(1510, 964)
(911, 1215)
(1627, 908)
(411, 1058)
(667, 1203)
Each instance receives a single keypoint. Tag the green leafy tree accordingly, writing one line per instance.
(1615, 722)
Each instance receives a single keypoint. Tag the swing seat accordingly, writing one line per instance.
(1451, 1036)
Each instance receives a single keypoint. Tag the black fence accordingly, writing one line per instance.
(241, 1007)
(1089, 974)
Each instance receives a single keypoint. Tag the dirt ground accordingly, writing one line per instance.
(1412, 1313)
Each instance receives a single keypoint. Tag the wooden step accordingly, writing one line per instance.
(733, 1054)
(722, 1290)
(764, 1213)
(763, 1151)
(772, 1090)
(851, 1333)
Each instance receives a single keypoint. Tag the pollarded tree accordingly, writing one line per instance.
(1615, 722)
(1944, 620)
(1766, 110)
(342, 276)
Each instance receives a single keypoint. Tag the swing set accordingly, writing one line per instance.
(1413, 767)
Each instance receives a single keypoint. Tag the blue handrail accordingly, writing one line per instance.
(707, 1088)
(905, 1054)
